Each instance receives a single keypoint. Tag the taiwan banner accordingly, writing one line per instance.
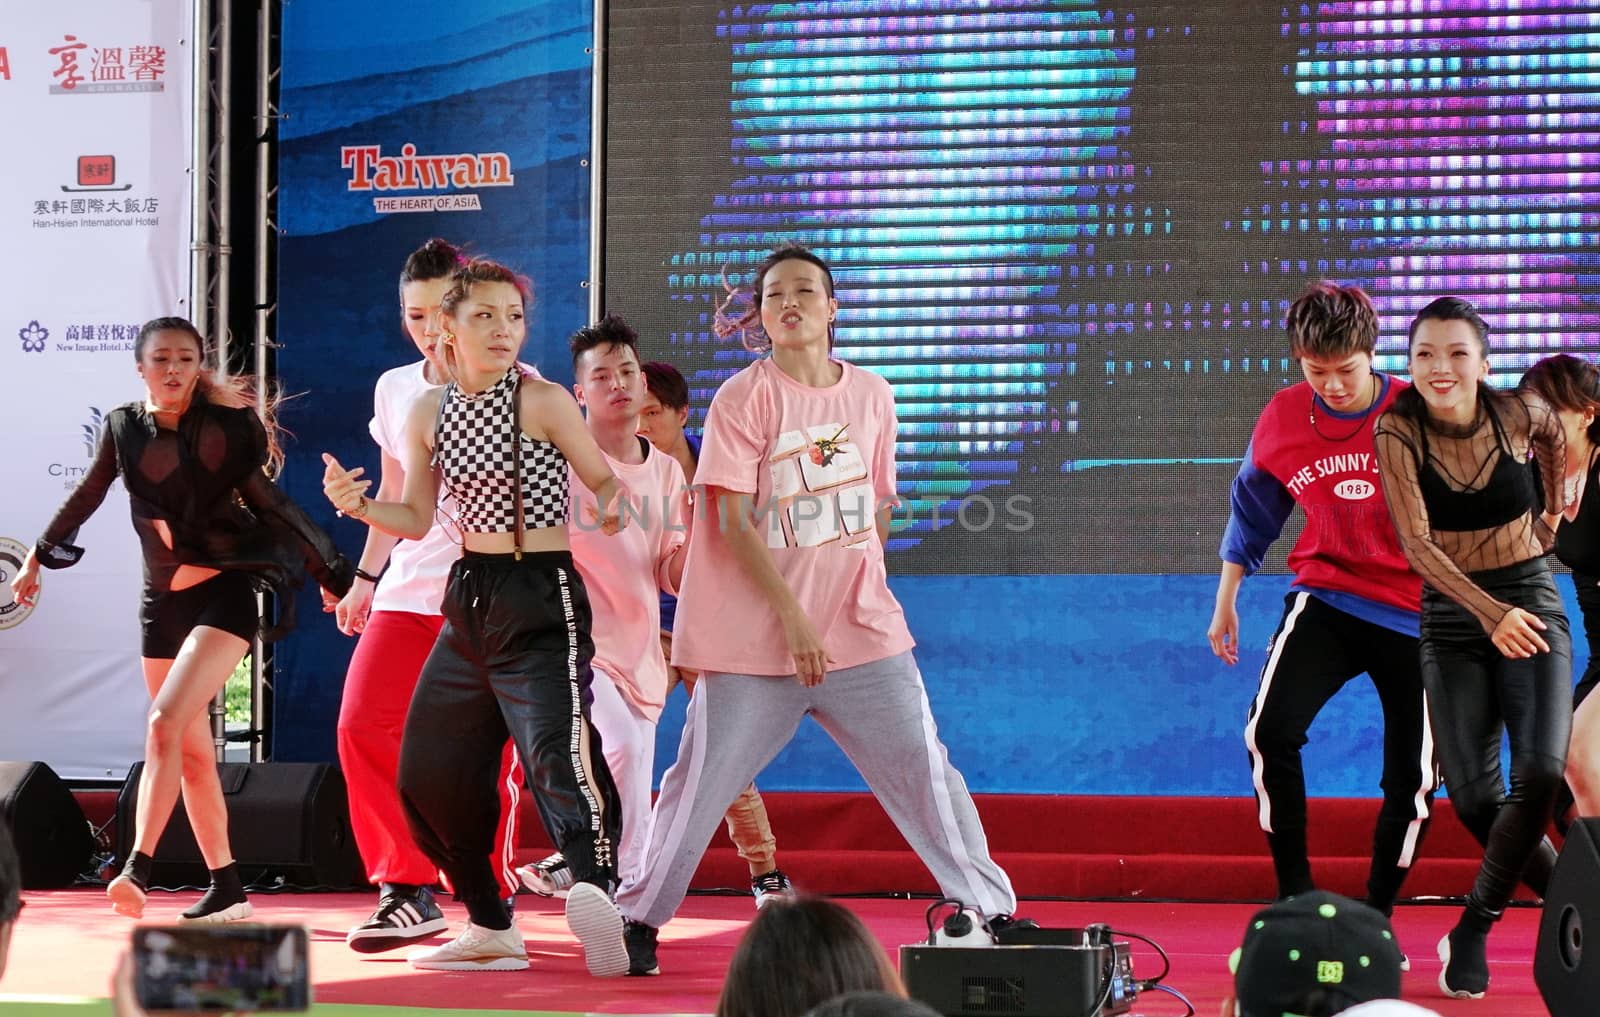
(403, 122)
(95, 104)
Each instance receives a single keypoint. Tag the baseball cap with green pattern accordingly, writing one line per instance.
(1313, 955)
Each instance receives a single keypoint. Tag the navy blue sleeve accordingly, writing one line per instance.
(1258, 506)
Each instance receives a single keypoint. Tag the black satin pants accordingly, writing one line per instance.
(512, 660)
(1476, 695)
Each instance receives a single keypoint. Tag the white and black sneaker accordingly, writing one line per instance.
(551, 877)
(402, 918)
(771, 886)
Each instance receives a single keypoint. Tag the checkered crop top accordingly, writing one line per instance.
(473, 449)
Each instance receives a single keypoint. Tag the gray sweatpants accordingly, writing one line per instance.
(878, 714)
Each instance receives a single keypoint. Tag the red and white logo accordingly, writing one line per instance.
(82, 69)
(97, 173)
(371, 170)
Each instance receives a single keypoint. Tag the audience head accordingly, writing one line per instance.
(10, 891)
(872, 1004)
(798, 953)
(1314, 954)
(1389, 1008)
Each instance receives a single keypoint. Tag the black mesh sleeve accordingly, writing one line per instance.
(323, 561)
(55, 549)
(1549, 442)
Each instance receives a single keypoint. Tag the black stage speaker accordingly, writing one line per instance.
(53, 839)
(286, 821)
(1567, 976)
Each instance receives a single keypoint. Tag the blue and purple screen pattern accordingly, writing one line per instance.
(1067, 232)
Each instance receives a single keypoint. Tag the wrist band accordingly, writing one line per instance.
(359, 512)
(364, 574)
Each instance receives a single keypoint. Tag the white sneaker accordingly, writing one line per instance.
(476, 949)
(597, 924)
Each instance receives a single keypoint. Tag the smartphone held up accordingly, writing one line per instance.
(221, 967)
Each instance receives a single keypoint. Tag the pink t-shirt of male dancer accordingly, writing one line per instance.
(818, 462)
(625, 573)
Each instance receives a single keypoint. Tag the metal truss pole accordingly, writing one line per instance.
(265, 145)
(200, 166)
(597, 163)
(210, 225)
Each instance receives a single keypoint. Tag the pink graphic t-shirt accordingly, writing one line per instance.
(626, 572)
(818, 463)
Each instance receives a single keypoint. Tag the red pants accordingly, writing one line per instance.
(377, 692)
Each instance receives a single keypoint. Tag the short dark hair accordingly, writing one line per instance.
(10, 877)
(1330, 322)
(666, 383)
(608, 331)
(1452, 309)
(798, 953)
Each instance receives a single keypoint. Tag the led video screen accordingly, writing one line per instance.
(1067, 232)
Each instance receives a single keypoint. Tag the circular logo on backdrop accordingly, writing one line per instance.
(12, 554)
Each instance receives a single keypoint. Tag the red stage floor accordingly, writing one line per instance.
(66, 943)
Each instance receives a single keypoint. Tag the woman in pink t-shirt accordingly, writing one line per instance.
(396, 611)
(785, 610)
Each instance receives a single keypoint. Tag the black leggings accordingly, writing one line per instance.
(512, 658)
(1475, 693)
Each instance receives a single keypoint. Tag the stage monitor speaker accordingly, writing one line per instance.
(53, 839)
(1568, 976)
(287, 822)
(1038, 973)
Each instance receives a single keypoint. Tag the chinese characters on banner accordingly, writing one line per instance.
(97, 93)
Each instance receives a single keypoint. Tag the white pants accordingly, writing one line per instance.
(629, 739)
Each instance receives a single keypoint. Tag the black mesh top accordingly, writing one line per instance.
(1467, 501)
(204, 484)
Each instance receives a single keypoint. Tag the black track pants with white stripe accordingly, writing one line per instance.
(512, 659)
(1316, 651)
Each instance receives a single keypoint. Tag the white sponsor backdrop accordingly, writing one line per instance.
(95, 103)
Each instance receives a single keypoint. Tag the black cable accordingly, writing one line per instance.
(935, 906)
(1166, 962)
